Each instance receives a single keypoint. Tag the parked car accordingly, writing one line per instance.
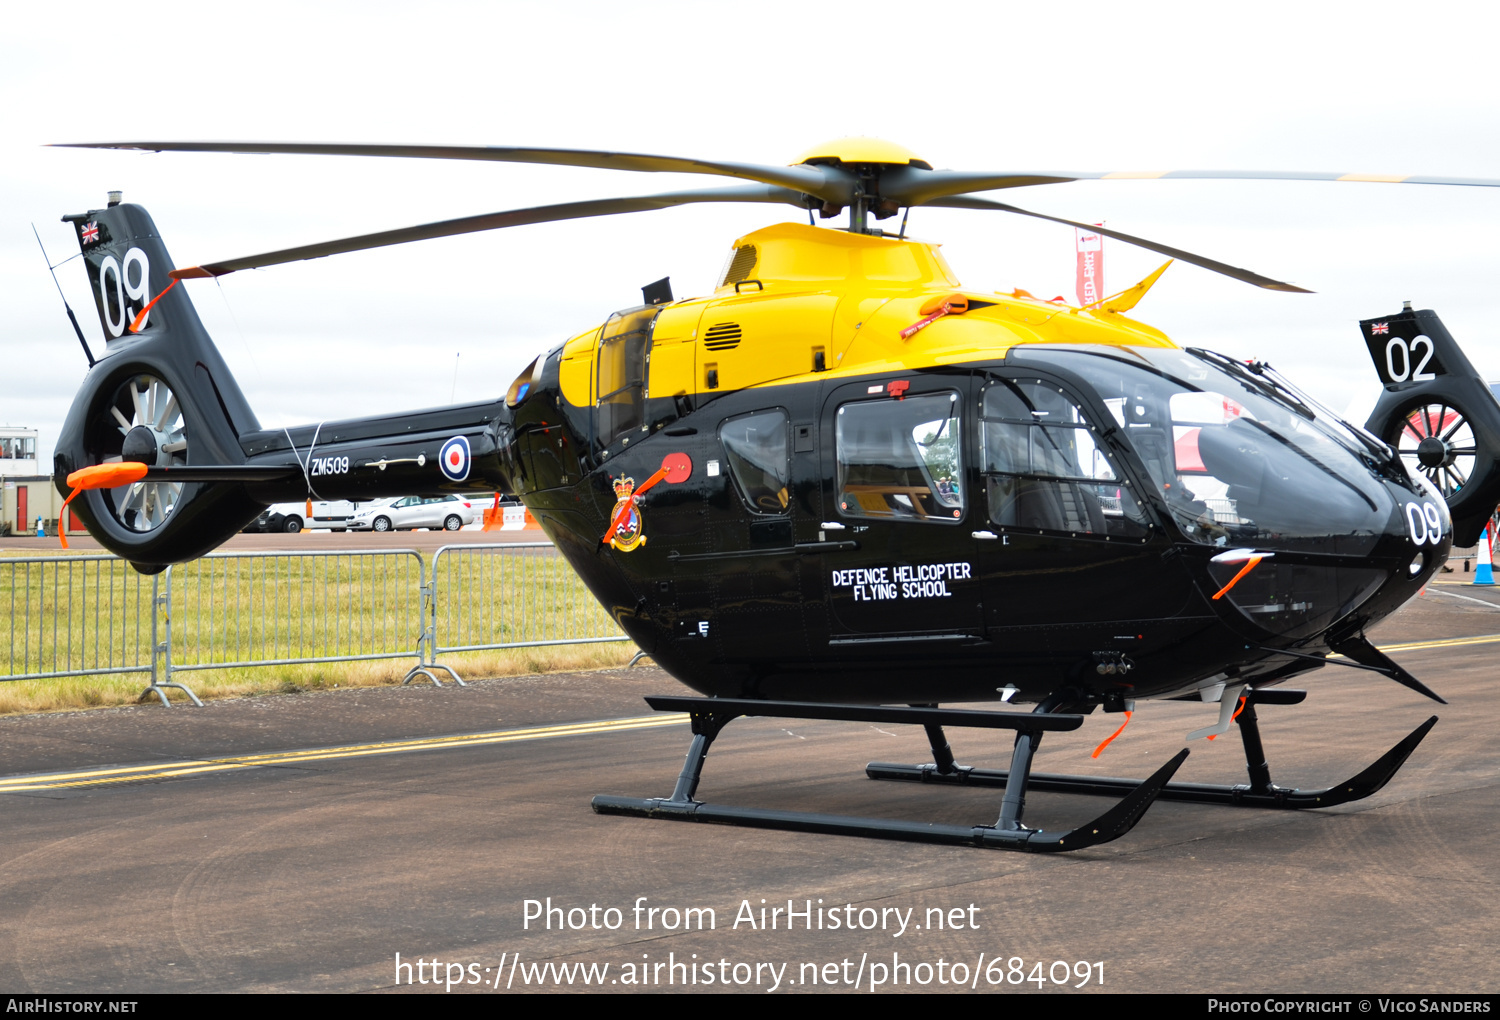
(326, 513)
(409, 512)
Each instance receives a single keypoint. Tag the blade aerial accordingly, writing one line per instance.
(495, 221)
(913, 186)
(1233, 272)
(827, 183)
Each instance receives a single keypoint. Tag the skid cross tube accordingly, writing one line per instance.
(710, 715)
(1259, 792)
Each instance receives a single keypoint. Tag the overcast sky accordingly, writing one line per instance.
(1357, 87)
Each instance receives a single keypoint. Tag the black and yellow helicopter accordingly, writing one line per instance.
(845, 486)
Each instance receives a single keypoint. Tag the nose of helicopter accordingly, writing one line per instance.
(1297, 519)
(1334, 559)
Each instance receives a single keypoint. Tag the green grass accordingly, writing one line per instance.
(82, 614)
(65, 694)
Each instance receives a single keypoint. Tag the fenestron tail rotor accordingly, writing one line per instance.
(1438, 441)
(146, 414)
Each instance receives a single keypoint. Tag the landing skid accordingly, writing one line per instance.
(710, 715)
(1259, 792)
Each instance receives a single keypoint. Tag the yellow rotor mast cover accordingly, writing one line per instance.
(861, 150)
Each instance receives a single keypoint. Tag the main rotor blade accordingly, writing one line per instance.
(1244, 275)
(825, 182)
(495, 221)
(913, 186)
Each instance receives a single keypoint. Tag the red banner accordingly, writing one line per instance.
(1090, 266)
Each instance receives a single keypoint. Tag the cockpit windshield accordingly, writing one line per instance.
(1238, 460)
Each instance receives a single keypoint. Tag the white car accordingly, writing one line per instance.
(326, 513)
(446, 512)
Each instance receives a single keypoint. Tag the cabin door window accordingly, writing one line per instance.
(901, 460)
(760, 459)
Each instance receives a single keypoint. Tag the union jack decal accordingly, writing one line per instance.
(90, 233)
(1380, 327)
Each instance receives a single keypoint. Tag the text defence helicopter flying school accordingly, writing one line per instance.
(844, 486)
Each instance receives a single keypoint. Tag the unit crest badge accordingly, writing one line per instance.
(629, 534)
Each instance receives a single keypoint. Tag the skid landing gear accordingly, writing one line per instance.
(1259, 792)
(711, 715)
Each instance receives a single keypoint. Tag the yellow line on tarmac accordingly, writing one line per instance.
(171, 770)
(1483, 639)
(1417, 646)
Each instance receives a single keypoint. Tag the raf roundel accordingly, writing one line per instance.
(454, 458)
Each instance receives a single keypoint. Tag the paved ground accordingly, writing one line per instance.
(311, 871)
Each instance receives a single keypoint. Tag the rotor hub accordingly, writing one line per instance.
(1434, 453)
(141, 445)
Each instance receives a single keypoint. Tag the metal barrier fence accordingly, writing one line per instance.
(91, 615)
(280, 609)
(510, 595)
(77, 616)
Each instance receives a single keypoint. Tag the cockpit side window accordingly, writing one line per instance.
(1044, 468)
(901, 459)
(624, 349)
(759, 459)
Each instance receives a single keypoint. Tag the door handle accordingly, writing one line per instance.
(987, 535)
(831, 526)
